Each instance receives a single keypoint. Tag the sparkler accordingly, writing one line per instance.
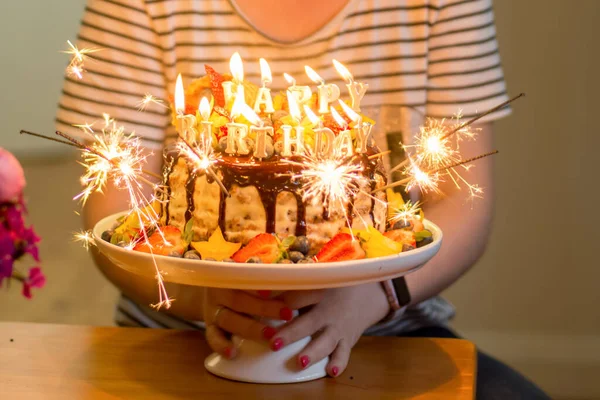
(116, 155)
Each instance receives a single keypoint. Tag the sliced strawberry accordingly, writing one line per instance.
(166, 244)
(402, 236)
(264, 246)
(342, 247)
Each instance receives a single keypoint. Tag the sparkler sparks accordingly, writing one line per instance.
(150, 99)
(406, 212)
(85, 237)
(78, 58)
(335, 180)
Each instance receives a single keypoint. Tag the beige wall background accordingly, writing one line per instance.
(532, 300)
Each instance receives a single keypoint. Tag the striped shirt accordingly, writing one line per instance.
(419, 57)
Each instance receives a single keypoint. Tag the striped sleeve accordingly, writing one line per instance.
(127, 65)
(463, 66)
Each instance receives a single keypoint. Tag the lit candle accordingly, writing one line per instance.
(357, 90)
(206, 133)
(298, 141)
(257, 126)
(343, 142)
(263, 97)
(324, 137)
(236, 66)
(327, 93)
(363, 131)
(185, 123)
(302, 93)
(237, 133)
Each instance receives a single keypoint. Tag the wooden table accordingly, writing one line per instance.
(42, 361)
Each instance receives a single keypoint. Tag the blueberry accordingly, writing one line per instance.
(401, 224)
(228, 260)
(278, 147)
(254, 260)
(306, 261)
(192, 255)
(175, 254)
(301, 244)
(285, 261)
(296, 256)
(223, 143)
(210, 259)
(106, 235)
(425, 241)
(407, 247)
(269, 149)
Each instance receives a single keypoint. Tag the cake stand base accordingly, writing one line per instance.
(257, 363)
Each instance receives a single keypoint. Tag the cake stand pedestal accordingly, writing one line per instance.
(256, 362)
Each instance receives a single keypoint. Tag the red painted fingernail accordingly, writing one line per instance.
(286, 314)
(277, 344)
(268, 332)
(228, 352)
(334, 371)
(304, 361)
(265, 294)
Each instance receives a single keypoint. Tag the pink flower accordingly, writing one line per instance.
(12, 177)
(36, 280)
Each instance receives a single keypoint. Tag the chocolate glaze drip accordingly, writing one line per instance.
(190, 186)
(172, 160)
(300, 216)
(270, 178)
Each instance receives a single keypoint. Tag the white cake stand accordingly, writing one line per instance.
(256, 362)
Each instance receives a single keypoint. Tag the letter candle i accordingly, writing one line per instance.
(206, 132)
(237, 133)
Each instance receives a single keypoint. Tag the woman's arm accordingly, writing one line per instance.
(466, 224)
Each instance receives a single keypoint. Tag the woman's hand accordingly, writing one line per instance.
(231, 311)
(338, 319)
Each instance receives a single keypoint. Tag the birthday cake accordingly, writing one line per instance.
(273, 182)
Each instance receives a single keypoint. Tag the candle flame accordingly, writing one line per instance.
(265, 72)
(312, 74)
(314, 119)
(338, 118)
(204, 109)
(289, 78)
(179, 95)
(343, 71)
(293, 106)
(250, 115)
(236, 108)
(353, 115)
(236, 66)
